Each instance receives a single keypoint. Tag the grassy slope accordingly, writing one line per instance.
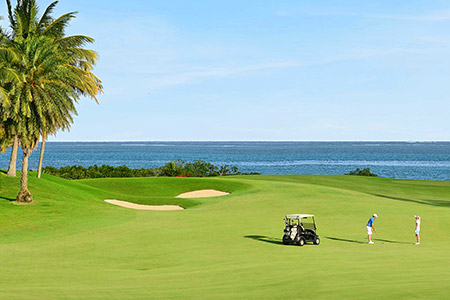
(71, 244)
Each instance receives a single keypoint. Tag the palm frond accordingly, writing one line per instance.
(46, 17)
(4, 98)
(12, 21)
(58, 26)
(75, 41)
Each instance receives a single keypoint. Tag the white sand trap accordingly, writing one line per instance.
(144, 207)
(202, 194)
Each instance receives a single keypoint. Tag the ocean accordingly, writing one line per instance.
(408, 160)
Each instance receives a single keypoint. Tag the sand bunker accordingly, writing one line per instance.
(144, 207)
(195, 194)
(202, 194)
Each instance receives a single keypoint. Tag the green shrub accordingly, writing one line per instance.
(363, 172)
(172, 169)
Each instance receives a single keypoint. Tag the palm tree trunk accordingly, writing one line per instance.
(13, 160)
(41, 158)
(24, 194)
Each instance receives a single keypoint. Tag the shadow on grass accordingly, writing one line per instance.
(2, 197)
(391, 242)
(266, 239)
(440, 203)
(360, 242)
(8, 199)
(344, 240)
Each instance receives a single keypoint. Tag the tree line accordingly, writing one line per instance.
(178, 168)
(43, 74)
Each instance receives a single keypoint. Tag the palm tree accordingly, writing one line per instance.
(25, 23)
(7, 136)
(48, 74)
(44, 90)
(89, 86)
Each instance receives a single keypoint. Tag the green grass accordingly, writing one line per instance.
(70, 244)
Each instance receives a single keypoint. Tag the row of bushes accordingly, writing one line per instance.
(178, 168)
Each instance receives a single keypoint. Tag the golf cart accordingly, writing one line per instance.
(300, 229)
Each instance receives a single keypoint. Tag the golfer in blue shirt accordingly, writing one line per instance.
(370, 226)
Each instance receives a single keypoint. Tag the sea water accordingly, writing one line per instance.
(414, 160)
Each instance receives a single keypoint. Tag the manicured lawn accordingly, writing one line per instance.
(70, 244)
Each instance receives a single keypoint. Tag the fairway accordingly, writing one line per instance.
(70, 244)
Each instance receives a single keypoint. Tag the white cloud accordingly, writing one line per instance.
(436, 16)
(185, 75)
(199, 74)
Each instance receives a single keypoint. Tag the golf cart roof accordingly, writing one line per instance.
(298, 216)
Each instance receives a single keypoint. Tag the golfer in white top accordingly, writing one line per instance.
(417, 230)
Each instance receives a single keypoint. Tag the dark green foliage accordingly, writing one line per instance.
(172, 169)
(105, 171)
(178, 168)
(363, 172)
(197, 168)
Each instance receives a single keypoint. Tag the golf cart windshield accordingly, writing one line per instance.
(309, 223)
(306, 221)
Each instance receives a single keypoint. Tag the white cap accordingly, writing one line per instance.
(375, 215)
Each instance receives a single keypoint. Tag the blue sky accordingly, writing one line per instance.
(265, 70)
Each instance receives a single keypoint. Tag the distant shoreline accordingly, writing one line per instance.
(392, 159)
(262, 141)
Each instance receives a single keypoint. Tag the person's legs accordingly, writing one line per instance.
(369, 233)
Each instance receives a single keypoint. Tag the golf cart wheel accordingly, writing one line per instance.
(316, 241)
(285, 240)
(301, 241)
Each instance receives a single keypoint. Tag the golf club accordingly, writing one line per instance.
(378, 236)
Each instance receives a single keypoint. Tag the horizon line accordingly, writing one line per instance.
(250, 141)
